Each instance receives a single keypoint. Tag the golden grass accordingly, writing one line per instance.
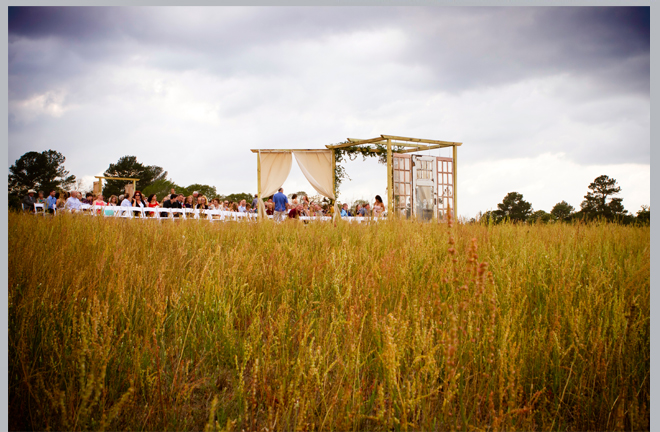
(135, 325)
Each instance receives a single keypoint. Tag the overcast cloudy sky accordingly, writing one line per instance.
(545, 99)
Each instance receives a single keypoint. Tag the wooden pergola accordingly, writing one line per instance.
(392, 144)
(410, 145)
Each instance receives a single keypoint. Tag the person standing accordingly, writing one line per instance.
(379, 207)
(51, 202)
(280, 201)
(255, 201)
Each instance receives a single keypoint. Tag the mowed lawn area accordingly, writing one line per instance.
(399, 325)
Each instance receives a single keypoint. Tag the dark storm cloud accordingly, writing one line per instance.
(463, 48)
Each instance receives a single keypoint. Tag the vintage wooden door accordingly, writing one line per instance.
(402, 172)
(445, 186)
(424, 187)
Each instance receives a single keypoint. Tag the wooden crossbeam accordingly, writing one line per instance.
(426, 148)
(398, 138)
(286, 150)
(115, 178)
(351, 144)
(394, 143)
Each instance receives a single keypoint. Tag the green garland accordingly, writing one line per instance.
(351, 153)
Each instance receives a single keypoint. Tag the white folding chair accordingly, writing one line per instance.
(175, 211)
(163, 213)
(124, 212)
(39, 209)
(191, 213)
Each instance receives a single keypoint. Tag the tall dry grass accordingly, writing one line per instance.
(128, 324)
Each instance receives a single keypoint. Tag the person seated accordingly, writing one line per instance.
(189, 203)
(125, 202)
(202, 203)
(241, 207)
(152, 202)
(234, 207)
(344, 211)
(98, 202)
(138, 201)
(89, 199)
(73, 203)
(112, 201)
(270, 208)
(61, 201)
(294, 213)
(40, 198)
(29, 201)
(215, 205)
(177, 204)
(365, 211)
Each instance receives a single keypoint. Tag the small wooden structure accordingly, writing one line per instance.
(399, 148)
(134, 180)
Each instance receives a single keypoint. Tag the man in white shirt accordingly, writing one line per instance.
(73, 203)
(125, 202)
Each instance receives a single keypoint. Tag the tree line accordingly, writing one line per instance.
(599, 203)
(45, 171)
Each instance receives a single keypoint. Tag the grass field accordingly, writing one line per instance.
(135, 325)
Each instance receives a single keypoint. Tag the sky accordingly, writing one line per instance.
(544, 99)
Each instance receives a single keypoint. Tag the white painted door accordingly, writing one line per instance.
(425, 191)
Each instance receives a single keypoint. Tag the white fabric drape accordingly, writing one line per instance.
(275, 168)
(318, 170)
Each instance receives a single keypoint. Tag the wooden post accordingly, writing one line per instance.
(261, 216)
(454, 176)
(390, 178)
(334, 175)
(134, 187)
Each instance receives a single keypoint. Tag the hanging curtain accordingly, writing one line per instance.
(275, 168)
(318, 170)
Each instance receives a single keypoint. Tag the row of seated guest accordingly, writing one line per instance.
(300, 207)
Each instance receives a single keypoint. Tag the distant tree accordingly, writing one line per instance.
(299, 193)
(38, 171)
(237, 197)
(644, 215)
(596, 202)
(129, 167)
(514, 207)
(206, 190)
(161, 188)
(562, 210)
(541, 216)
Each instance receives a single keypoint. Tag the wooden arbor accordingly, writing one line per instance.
(116, 178)
(409, 145)
(387, 144)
